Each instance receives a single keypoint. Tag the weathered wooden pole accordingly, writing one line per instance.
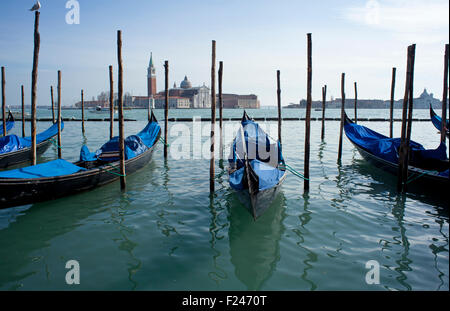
(279, 105)
(341, 130)
(391, 118)
(444, 96)
(120, 104)
(34, 76)
(166, 107)
(403, 150)
(111, 103)
(324, 97)
(23, 111)
(59, 115)
(308, 115)
(82, 112)
(3, 102)
(53, 104)
(220, 109)
(356, 104)
(213, 115)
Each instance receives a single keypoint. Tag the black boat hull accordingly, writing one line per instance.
(16, 192)
(23, 155)
(427, 179)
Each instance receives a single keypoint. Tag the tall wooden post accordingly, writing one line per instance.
(356, 104)
(59, 116)
(213, 115)
(279, 105)
(324, 97)
(53, 104)
(34, 76)
(444, 96)
(391, 118)
(23, 111)
(166, 107)
(3, 102)
(308, 115)
(120, 104)
(341, 130)
(111, 103)
(220, 109)
(404, 144)
(82, 112)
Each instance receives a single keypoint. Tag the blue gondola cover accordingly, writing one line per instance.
(50, 169)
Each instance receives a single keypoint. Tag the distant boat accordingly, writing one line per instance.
(100, 109)
(437, 121)
(18, 115)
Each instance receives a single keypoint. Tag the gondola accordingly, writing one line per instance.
(437, 121)
(256, 166)
(9, 124)
(61, 178)
(16, 150)
(427, 168)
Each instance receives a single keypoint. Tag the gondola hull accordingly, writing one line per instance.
(427, 179)
(262, 200)
(16, 192)
(23, 155)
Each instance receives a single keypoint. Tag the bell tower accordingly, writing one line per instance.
(151, 78)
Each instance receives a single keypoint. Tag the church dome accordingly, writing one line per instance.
(185, 84)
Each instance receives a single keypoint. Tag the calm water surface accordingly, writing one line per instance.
(166, 233)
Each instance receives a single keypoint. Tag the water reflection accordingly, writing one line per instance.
(254, 245)
(118, 218)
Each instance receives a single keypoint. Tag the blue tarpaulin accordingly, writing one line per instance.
(134, 145)
(9, 126)
(387, 148)
(12, 143)
(50, 169)
(268, 176)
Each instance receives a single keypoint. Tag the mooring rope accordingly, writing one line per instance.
(55, 143)
(412, 178)
(293, 171)
(115, 168)
(164, 141)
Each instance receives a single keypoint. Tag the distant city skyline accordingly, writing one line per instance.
(364, 39)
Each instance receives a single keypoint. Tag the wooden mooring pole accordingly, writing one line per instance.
(34, 76)
(324, 97)
(59, 116)
(444, 96)
(356, 103)
(406, 126)
(82, 112)
(23, 111)
(166, 107)
(279, 105)
(111, 103)
(391, 115)
(3, 102)
(120, 104)
(341, 130)
(213, 116)
(308, 115)
(220, 109)
(53, 104)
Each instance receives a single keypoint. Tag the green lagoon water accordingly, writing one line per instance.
(166, 233)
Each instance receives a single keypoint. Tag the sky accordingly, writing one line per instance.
(363, 39)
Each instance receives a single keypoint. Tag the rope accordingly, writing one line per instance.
(115, 168)
(164, 141)
(293, 171)
(415, 177)
(55, 143)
